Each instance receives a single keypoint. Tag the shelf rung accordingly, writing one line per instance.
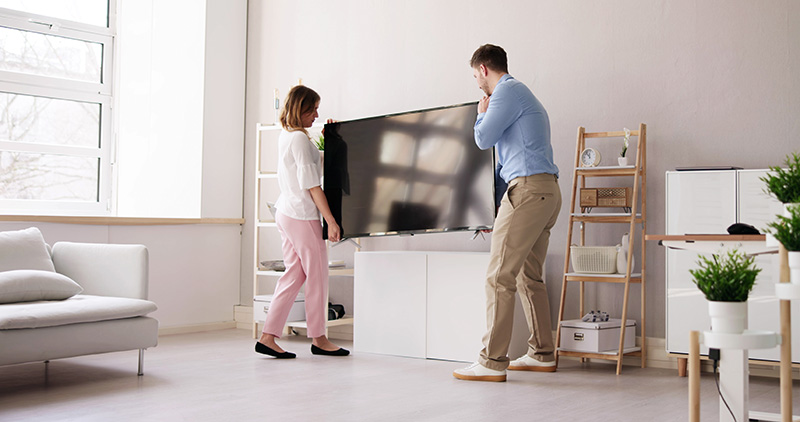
(612, 134)
(347, 320)
(607, 171)
(604, 218)
(610, 355)
(636, 278)
(338, 272)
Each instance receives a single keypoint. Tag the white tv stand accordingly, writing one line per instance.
(425, 305)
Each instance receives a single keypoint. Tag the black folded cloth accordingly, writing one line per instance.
(742, 228)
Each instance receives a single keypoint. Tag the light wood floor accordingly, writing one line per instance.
(216, 376)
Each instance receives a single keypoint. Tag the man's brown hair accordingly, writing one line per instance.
(491, 56)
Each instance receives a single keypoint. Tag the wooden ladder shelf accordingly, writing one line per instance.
(637, 215)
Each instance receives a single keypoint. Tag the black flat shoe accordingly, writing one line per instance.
(265, 350)
(317, 351)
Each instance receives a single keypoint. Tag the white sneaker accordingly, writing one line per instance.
(478, 372)
(527, 363)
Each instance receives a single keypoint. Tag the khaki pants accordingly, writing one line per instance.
(528, 211)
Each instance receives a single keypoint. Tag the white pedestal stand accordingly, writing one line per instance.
(734, 373)
(734, 378)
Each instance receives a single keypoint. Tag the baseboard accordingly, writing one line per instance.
(243, 316)
(196, 328)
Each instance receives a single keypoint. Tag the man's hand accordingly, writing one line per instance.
(483, 104)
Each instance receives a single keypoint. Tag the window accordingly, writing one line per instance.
(56, 138)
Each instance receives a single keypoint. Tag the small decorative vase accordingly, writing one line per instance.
(728, 317)
(794, 266)
(622, 255)
(623, 161)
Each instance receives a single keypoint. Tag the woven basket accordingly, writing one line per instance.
(594, 259)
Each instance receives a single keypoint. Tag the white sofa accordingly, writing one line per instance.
(109, 314)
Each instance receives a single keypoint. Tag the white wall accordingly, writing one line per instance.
(715, 81)
(223, 108)
(181, 108)
(160, 108)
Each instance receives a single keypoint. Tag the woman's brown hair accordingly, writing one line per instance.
(301, 100)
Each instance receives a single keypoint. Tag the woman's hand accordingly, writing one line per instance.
(334, 232)
(328, 122)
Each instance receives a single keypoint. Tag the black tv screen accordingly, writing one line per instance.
(413, 172)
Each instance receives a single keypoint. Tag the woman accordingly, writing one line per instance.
(299, 206)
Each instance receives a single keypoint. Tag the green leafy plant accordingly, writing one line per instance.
(319, 142)
(726, 278)
(787, 229)
(784, 184)
(625, 141)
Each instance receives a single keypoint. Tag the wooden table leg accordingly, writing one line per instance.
(694, 376)
(682, 366)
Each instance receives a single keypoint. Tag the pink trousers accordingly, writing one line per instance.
(306, 259)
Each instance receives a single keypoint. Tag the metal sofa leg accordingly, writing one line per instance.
(141, 362)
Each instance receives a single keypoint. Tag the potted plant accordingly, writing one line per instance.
(623, 158)
(784, 183)
(319, 142)
(726, 281)
(786, 229)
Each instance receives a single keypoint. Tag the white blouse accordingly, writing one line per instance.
(299, 169)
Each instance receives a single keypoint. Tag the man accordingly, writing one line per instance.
(512, 120)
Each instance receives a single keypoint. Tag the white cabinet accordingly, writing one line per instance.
(425, 305)
(707, 202)
(389, 298)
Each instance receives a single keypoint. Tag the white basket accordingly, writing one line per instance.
(594, 259)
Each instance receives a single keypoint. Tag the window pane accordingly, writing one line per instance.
(48, 177)
(38, 54)
(93, 12)
(41, 120)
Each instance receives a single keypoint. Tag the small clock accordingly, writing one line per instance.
(590, 157)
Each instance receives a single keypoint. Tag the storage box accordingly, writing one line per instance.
(605, 197)
(261, 305)
(596, 337)
(594, 259)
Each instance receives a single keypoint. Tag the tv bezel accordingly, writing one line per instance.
(476, 229)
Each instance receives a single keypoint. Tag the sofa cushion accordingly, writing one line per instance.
(24, 250)
(77, 309)
(31, 285)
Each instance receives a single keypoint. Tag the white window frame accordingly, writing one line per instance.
(101, 93)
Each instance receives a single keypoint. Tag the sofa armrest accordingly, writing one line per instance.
(104, 269)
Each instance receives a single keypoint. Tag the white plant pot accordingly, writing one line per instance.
(794, 266)
(623, 161)
(728, 317)
(772, 242)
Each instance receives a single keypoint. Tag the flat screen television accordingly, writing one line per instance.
(408, 173)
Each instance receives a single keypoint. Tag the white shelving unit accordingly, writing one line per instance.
(265, 228)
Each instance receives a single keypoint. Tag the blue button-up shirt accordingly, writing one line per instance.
(516, 123)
